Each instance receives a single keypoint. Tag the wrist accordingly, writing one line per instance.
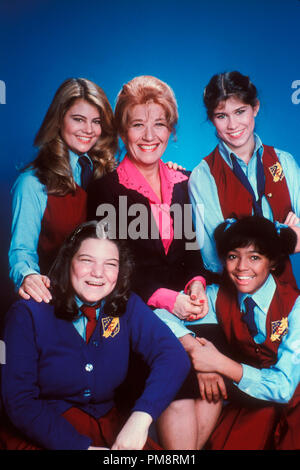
(196, 278)
(163, 298)
(189, 343)
(142, 417)
(179, 306)
(231, 369)
(24, 275)
(221, 364)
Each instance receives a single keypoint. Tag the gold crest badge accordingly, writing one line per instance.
(279, 329)
(111, 326)
(277, 172)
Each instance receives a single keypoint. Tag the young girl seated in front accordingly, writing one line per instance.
(259, 372)
(66, 359)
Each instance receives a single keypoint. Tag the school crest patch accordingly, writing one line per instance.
(111, 326)
(279, 328)
(277, 172)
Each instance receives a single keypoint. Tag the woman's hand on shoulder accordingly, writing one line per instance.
(36, 286)
(134, 433)
(291, 219)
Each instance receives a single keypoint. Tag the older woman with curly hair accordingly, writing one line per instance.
(150, 206)
(77, 141)
(146, 116)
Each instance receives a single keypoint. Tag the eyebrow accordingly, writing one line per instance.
(91, 256)
(82, 116)
(250, 251)
(241, 107)
(85, 254)
(135, 119)
(237, 109)
(142, 119)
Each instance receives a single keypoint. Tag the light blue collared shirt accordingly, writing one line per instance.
(29, 201)
(276, 383)
(203, 192)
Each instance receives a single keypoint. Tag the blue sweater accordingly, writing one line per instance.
(50, 368)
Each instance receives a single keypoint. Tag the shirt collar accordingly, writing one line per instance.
(226, 152)
(79, 303)
(262, 297)
(130, 177)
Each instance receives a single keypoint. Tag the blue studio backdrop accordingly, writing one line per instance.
(183, 42)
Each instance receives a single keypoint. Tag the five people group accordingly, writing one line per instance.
(210, 371)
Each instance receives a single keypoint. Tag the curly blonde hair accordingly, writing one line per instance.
(52, 162)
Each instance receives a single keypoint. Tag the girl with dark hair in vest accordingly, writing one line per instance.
(65, 359)
(241, 176)
(255, 368)
(76, 141)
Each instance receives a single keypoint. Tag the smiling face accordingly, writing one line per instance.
(247, 268)
(81, 126)
(147, 134)
(94, 269)
(235, 121)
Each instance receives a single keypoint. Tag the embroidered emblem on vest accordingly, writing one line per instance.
(277, 172)
(279, 328)
(111, 326)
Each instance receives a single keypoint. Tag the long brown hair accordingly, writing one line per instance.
(52, 162)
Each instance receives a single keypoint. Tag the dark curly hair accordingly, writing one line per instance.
(274, 242)
(224, 85)
(63, 294)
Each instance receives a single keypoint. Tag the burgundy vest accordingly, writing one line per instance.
(62, 215)
(236, 330)
(236, 201)
(234, 198)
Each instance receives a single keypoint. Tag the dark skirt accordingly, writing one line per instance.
(102, 431)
